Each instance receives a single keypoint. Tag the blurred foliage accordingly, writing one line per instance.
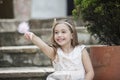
(102, 19)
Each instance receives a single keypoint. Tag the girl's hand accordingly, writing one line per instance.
(29, 35)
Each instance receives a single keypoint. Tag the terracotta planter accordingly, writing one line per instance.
(106, 62)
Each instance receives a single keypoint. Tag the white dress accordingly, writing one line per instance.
(68, 66)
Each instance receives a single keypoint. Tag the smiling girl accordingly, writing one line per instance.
(70, 59)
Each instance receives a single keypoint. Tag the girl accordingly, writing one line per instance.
(70, 59)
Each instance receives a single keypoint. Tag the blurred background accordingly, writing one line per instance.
(35, 9)
(19, 58)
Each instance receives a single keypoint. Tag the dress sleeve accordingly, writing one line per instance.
(82, 47)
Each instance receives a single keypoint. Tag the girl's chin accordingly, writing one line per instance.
(61, 44)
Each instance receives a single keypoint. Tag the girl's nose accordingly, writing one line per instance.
(59, 34)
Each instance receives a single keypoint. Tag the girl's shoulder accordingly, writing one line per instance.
(81, 46)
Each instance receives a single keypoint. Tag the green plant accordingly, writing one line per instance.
(102, 17)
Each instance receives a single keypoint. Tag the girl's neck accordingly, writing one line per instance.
(67, 49)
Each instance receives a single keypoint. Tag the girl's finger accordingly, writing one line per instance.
(29, 35)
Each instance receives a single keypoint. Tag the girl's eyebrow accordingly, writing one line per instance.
(64, 30)
(55, 30)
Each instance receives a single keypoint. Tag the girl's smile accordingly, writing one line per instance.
(60, 40)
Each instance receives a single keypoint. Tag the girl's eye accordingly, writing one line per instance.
(56, 32)
(63, 31)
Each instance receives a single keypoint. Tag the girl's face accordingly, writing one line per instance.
(62, 35)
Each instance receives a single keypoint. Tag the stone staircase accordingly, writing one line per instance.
(23, 63)
(20, 59)
(25, 72)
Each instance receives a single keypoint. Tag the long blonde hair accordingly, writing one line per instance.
(72, 29)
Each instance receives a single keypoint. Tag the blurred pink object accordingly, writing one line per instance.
(23, 27)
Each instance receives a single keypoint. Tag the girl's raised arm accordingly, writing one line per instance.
(49, 51)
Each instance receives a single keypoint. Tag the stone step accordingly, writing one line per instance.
(19, 49)
(17, 39)
(22, 72)
(19, 56)
(26, 49)
(11, 25)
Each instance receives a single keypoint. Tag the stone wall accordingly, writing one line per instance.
(21, 56)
